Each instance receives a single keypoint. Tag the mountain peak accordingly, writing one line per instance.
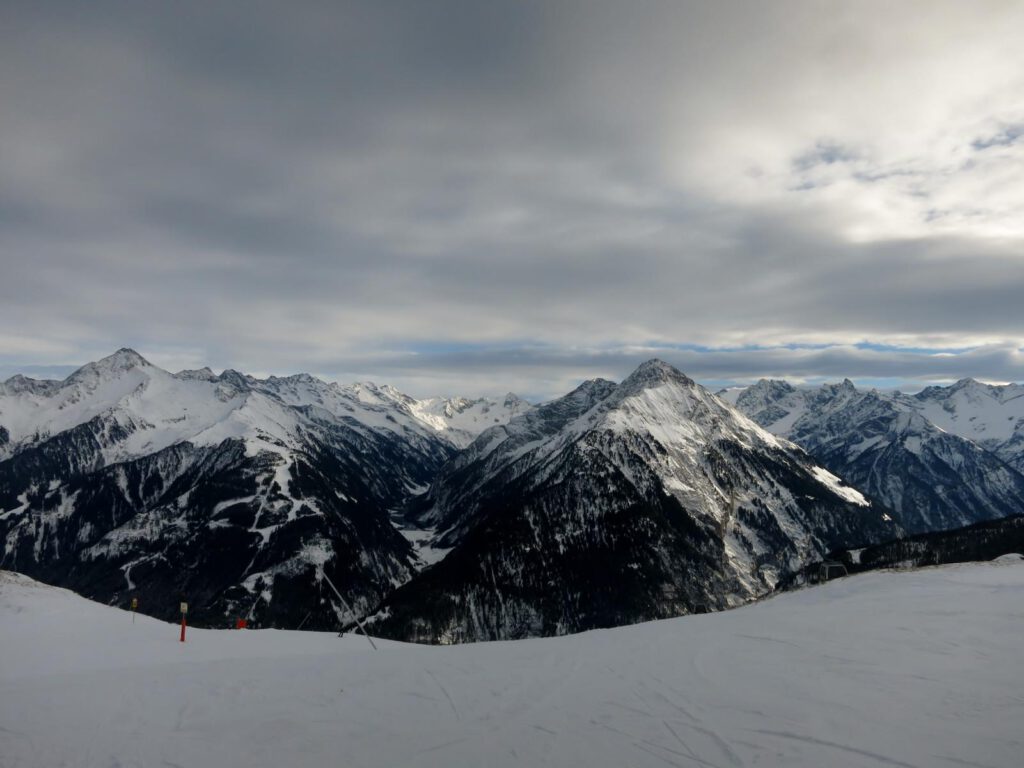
(19, 383)
(844, 386)
(236, 379)
(200, 374)
(123, 360)
(943, 392)
(590, 391)
(652, 373)
(764, 393)
(512, 397)
(773, 386)
(966, 383)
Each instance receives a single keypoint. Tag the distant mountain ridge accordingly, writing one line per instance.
(616, 504)
(457, 519)
(989, 414)
(126, 383)
(954, 471)
(239, 491)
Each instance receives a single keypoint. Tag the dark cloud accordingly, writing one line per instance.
(326, 186)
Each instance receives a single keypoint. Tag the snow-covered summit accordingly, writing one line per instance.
(663, 402)
(124, 359)
(153, 408)
(683, 418)
(924, 456)
(991, 415)
(652, 373)
(656, 403)
(199, 374)
(719, 508)
(462, 419)
(762, 390)
(19, 384)
(125, 473)
(136, 408)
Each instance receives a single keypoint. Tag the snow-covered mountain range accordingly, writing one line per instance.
(455, 519)
(149, 409)
(237, 491)
(619, 503)
(990, 415)
(460, 420)
(943, 458)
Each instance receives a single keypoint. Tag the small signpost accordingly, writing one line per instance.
(184, 610)
(135, 605)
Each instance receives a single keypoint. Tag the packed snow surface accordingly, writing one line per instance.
(884, 669)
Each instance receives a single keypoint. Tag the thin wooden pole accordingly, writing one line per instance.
(348, 607)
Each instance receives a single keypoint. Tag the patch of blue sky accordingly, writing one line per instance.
(446, 347)
(825, 152)
(876, 347)
(686, 347)
(865, 345)
(1003, 138)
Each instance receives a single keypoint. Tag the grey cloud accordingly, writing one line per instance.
(540, 373)
(310, 186)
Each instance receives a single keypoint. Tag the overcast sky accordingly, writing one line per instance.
(468, 197)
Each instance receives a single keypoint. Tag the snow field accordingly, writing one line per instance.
(884, 669)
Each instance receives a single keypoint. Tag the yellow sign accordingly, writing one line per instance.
(135, 603)
(184, 607)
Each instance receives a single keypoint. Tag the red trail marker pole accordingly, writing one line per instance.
(184, 610)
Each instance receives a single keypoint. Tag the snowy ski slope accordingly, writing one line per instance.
(885, 669)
